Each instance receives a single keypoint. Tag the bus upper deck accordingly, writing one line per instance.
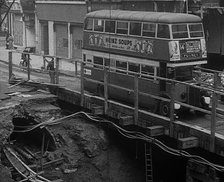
(148, 46)
(179, 37)
(143, 16)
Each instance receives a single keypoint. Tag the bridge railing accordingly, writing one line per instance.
(38, 64)
(214, 89)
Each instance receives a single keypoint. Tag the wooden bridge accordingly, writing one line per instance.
(206, 132)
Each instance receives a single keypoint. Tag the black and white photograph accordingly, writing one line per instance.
(111, 90)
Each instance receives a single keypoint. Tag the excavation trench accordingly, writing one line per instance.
(29, 144)
(26, 134)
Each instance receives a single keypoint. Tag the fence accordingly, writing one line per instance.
(214, 89)
(37, 65)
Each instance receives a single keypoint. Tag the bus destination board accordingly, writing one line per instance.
(190, 48)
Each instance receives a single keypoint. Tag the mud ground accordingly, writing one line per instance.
(90, 151)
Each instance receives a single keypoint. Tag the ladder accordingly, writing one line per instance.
(148, 162)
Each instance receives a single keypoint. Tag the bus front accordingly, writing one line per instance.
(188, 43)
(187, 49)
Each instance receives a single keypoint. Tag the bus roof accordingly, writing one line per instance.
(157, 17)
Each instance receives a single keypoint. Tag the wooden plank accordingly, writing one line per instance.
(114, 114)
(155, 130)
(28, 67)
(188, 142)
(10, 65)
(126, 120)
(105, 91)
(201, 172)
(57, 180)
(82, 85)
(97, 110)
(57, 71)
(136, 100)
(213, 117)
(172, 102)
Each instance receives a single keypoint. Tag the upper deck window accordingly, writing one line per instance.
(88, 24)
(196, 30)
(135, 28)
(149, 30)
(98, 25)
(163, 31)
(122, 27)
(110, 26)
(179, 31)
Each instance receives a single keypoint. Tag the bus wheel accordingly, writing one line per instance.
(100, 90)
(164, 108)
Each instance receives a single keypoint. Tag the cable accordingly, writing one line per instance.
(130, 135)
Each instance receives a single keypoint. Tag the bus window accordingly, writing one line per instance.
(98, 62)
(179, 31)
(112, 64)
(106, 62)
(89, 61)
(98, 25)
(147, 70)
(133, 68)
(88, 24)
(122, 27)
(196, 30)
(135, 28)
(163, 31)
(110, 26)
(84, 57)
(149, 30)
(121, 67)
(171, 73)
(183, 73)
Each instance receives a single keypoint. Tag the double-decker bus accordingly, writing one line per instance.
(148, 44)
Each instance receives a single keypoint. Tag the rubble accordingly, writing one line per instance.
(80, 150)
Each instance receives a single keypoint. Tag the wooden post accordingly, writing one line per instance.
(57, 71)
(213, 116)
(82, 85)
(42, 149)
(44, 62)
(76, 68)
(10, 65)
(105, 91)
(28, 65)
(172, 102)
(136, 99)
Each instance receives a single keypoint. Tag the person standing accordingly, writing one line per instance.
(50, 67)
(6, 40)
(10, 41)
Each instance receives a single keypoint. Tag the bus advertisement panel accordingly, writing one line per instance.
(142, 46)
(187, 49)
(176, 50)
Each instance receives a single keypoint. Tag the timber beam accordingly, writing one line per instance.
(188, 142)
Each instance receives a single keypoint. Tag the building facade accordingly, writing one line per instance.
(54, 27)
(59, 27)
(21, 22)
